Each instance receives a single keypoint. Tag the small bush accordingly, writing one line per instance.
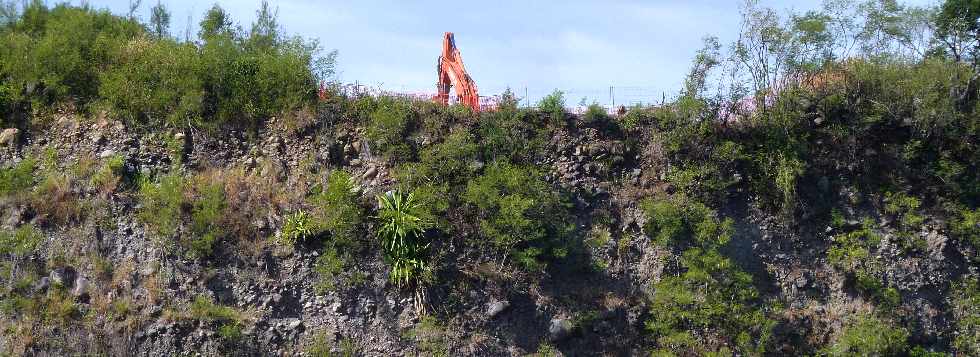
(708, 305)
(204, 309)
(966, 227)
(21, 241)
(167, 202)
(511, 135)
(329, 267)
(520, 214)
(869, 336)
(389, 124)
(904, 209)
(441, 173)
(401, 231)
(108, 177)
(337, 210)
(966, 310)
(553, 105)
(636, 116)
(429, 336)
(852, 251)
(207, 214)
(230, 332)
(673, 221)
(162, 203)
(17, 179)
(154, 82)
(298, 226)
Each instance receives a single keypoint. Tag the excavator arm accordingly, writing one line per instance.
(452, 74)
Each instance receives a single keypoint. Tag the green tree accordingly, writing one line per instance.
(958, 30)
(264, 35)
(216, 22)
(160, 20)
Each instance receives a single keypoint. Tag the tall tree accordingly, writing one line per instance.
(265, 30)
(216, 22)
(160, 20)
(958, 29)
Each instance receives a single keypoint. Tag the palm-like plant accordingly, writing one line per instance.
(402, 235)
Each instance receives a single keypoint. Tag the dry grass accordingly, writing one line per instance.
(55, 200)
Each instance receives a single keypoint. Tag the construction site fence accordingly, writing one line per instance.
(354, 90)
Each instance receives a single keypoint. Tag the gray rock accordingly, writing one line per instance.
(8, 135)
(371, 173)
(42, 285)
(59, 276)
(559, 329)
(106, 153)
(294, 324)
(81, 287)
(497, 307)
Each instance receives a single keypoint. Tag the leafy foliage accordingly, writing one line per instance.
(869, 336)
(966, 309)
(520, 214)
(553, 105)
(105, 62)
(401, 231)
(337, 210)
(17, 179)
(21, 241)
(298, 226)
(709, 305)
(162, 203)
(167, 202)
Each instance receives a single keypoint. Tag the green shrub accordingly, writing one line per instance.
(673, 221)
(441, 173)
(869, 336)
(511, 135)
(230, 332)
(207, 213)
(21, 241)
(708, 294)
(401, 231)
(17, 179)
(636, 116)
(520, 213)
(852, 251)
(337, 211)
(298, 226)
(58, 54)
(966, 227)
(596, 115)
(966, 310)
(553, 105)
(204, 309)
(329, 267)
(107, 178)
(162, 204)
(75, 54)
(429, 337)
(154, 82)
(389, 124)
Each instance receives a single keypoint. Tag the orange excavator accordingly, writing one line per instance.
(453, 74)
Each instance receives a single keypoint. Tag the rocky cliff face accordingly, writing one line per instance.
(99, 280)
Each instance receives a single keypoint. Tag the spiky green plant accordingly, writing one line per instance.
(299, 225)
(401, 231)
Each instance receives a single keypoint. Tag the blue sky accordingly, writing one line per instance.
(642, 48)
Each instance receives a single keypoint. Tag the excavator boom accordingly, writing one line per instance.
(452, 74)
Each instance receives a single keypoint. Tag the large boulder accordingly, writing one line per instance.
(8, 136)
(560, 329)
